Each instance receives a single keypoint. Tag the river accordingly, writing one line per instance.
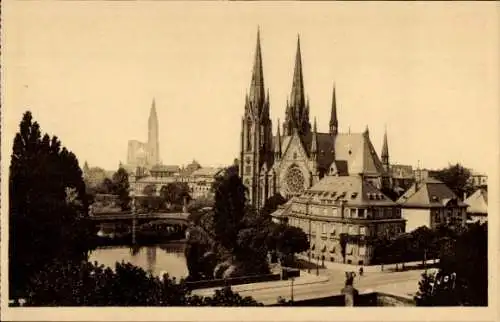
(159, 259)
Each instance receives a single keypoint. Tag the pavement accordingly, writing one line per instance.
(327, 283)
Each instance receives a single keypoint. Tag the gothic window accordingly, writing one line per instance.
(295, 180)
(295, 155)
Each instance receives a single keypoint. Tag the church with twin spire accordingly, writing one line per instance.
(297, 156)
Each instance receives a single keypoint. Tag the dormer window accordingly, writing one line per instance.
(354, 195)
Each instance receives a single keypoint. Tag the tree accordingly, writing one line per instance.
(462, 278)
(149, 190)
(288, 241)
(271, 204)
(122, 187)
(175, 193)
(87, 284)
(229, 208)
(47, 202)
(456, 177)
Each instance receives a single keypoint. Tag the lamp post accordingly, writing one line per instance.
(291, 289)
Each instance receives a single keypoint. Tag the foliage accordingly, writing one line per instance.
(229, 209)
(175, 193)
(87, 284)
(462, 278)
(149, 190)
(48, 206)
(271, 204)
(95, 181)
(288, 240)
(456, 177)
(121, 188)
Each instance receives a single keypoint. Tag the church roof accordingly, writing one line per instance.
(354, 148)
(352, 189)
(478, 202)
(430, 193)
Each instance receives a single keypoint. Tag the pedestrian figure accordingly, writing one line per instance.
(361, 271)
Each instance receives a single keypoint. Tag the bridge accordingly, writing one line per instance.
(174, 218)
(179, 220)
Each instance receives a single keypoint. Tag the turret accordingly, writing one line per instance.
(334, 125)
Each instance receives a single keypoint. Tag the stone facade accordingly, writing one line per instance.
(343, 205)
(298, 156)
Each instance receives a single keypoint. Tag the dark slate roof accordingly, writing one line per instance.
(429, 193)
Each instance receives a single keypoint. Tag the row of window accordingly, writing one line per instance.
(362, 213)
(333, 230)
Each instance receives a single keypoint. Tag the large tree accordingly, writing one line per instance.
(48, 208)
(456, 177)
(175, 193)
(121, 188)
(229, 208)
(462, 278)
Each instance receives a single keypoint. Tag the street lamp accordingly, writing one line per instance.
(291, 289)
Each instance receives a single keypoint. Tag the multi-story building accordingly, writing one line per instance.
(298, 155)
(199, 179)
(346, 205)
(431, 203)
(477, 210)
(478, 180)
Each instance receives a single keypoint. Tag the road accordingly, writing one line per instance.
(401, 283)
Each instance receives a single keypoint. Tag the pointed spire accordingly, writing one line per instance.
(314, 143)
(152, 112)
(333, 118)
(257, 92)
(277, 147)
(297, 96)
(367, 131)
(385, 149)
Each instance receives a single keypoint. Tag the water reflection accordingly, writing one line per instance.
(159, 259)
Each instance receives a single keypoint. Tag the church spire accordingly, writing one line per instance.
(334, 124)
(257, 92)
(153, 136)
(385, 151)
(277, 146)
(314, 143)
(297, 96)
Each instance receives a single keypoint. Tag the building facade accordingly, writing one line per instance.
(199, 179)
(431, 203)
(146, 154)
(346, 205)
(298, 155)
(477, 210)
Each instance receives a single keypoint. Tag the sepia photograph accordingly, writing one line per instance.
(167, 154)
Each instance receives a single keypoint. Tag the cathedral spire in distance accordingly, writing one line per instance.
(153, 135)
(334, 123)
(257, 92)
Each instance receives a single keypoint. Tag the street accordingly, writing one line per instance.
(397, 283)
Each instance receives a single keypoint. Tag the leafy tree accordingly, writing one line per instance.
(229, 208)
(288, 241)
(122, 187)
(48, 206)
(175, 193)
(271, 204)
(94, 180)
(456, 177)
(87, 284)
(462, 278)
(149, 190)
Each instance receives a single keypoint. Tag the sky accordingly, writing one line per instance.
(88, 71)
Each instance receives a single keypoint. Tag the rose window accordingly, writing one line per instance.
(295, 180)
